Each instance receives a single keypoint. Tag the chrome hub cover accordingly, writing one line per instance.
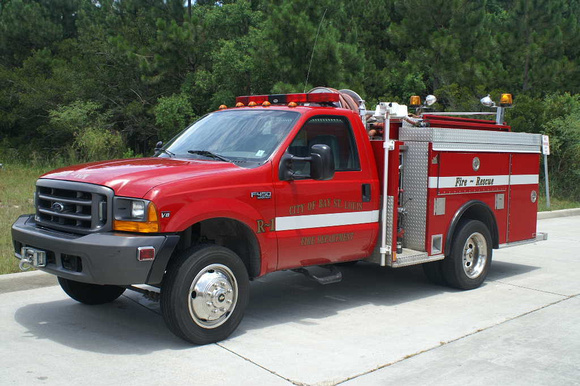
(474, 255)
(213, 295)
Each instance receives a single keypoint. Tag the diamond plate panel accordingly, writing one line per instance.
(376, 256)
(485, 148)
(410, 257)
(416, 163)
(457, 139)
(390, 208)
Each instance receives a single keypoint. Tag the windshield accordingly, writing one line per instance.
(239, 136)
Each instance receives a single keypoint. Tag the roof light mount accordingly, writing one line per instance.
(505, 101)
(415, 101)
(285, 99)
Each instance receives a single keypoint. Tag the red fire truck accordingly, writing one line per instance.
(285, 182)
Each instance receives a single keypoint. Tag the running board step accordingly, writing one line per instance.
(334, 276)
(411, 257)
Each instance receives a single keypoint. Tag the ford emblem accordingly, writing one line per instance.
(57, 207)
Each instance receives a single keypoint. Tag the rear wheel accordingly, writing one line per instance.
(467, 265)
(91, 294)
(204, 294)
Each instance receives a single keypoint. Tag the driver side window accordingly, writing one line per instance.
(333, 131)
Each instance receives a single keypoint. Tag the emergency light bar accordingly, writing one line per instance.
(326, 97)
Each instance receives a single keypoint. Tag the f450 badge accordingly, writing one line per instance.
(261, 195)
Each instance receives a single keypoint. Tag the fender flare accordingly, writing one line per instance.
(475, 210)
(230, 210)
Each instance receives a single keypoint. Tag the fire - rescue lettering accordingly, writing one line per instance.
(460, 181)
(484, 181)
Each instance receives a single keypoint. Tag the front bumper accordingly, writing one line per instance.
(105, 258)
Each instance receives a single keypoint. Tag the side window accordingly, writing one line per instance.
(327, 130)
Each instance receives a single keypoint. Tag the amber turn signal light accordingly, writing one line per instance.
(149, 226)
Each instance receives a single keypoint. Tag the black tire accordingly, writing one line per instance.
(468, 263)
(191, 276)
(90, 294)
(434, 272)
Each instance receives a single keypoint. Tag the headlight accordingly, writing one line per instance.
(138, 209)
(134, 215)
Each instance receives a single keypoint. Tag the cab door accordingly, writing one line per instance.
(320, 222)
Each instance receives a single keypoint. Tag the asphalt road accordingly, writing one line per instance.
(378, 326)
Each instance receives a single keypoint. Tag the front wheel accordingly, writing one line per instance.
(204, 294)
(467, 265)
(91, 294)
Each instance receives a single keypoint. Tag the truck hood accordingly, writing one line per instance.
(135, 177)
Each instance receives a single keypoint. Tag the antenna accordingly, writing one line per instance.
(314, 48)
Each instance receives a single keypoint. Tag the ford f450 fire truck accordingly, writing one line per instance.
(284, 182)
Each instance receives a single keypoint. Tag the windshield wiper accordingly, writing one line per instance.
(160, 149)
(208, 153)
(170, 154)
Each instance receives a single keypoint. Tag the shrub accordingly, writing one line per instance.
(172, 114)
(93, 137)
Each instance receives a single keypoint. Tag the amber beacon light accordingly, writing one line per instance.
(506, 100)
(415, 101)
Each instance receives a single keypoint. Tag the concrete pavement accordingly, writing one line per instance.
(378, 326)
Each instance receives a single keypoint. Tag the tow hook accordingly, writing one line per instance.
(25, 264)
(31, 258)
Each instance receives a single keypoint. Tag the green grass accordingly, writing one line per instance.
(16, 198)
(556, 204)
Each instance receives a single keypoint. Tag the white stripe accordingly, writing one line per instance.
(524, 179)
(481, 181)
(325, 220)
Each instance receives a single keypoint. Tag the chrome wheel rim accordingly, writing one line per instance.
(213, 296)
(474, 255)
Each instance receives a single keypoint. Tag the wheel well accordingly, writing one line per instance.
(228, 233)
(473, 210)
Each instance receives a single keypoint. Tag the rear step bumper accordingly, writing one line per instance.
(540, 236)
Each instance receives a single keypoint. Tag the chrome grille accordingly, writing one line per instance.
(74, 207)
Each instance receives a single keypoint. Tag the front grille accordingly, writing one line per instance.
(74, 207)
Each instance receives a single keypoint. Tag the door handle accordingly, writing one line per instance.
(366, 192)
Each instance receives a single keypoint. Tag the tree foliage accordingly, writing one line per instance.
(138, 71)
